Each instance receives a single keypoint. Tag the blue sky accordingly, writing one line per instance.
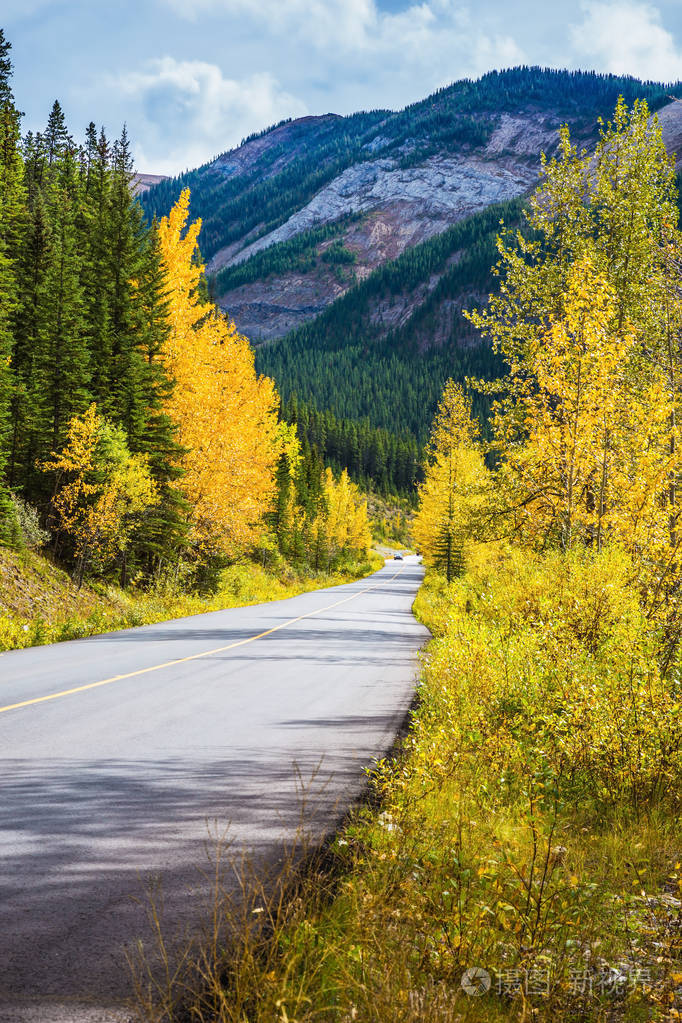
(192, 77)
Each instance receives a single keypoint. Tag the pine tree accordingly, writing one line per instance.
(12, 190)
(281, 519)
(12, 214)
(162, 533)
(5, 70)
(96, 267)
(28, 353)
(35, 163)
(91, 156)
(64, 373)
(56, 138)
(7, 303)
(123, 253)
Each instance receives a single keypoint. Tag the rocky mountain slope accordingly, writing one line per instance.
(391, 207)
(143, 182)
(309, 218)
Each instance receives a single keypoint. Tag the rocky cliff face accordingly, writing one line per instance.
(670, 117)
(285, 141)
(394, 206)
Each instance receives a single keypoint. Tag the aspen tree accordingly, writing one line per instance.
(100, 490)
(454, 478)
(584, 432)
(226, 414)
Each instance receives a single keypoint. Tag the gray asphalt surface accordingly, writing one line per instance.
(109, 789)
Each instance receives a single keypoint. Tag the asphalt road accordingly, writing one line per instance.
(125, 755)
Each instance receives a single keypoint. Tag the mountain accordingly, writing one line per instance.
(351, 244)
(143, 182)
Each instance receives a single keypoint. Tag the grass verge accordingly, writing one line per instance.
(40, 604)
(528, 830)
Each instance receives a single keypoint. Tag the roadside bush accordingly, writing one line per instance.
(563, 666)
(33, 535)
(235, 586)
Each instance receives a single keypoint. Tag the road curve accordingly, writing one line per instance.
(122, 755)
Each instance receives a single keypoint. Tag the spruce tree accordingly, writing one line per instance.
(91, 155)
(28, 353)
(56, 137)
(35, 163)
(124, 239)
(64, 373)
(162, 533)
(5, 69)
(7, 304)
(12, 210)
(95, 272)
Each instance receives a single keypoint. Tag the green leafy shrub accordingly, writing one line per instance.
(33, 535)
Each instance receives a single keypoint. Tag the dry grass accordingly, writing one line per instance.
(32, 585)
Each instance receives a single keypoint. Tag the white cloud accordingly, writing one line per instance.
(348, 54)
(237, 65)
(185, 112)
(323, 22)
(626, 37)
(439, 38)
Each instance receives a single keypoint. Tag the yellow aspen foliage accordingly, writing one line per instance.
(346, 514)
(341, 527)
(617, 203)
(288, 517)
(454, 481)
(101, 489)
(290, 447)
(226, 414)
(584, 450)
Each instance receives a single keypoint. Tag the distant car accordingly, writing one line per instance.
(397, 557)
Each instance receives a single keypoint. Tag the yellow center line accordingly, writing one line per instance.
(193, 657)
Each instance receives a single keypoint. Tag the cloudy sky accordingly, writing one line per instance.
(192, 77)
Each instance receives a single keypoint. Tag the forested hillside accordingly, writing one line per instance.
(385, 349)
(137, 441)
(352, 245)
(253, 189)
(377, 457)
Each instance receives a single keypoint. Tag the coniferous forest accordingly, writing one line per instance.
(83, 313)
(135, 433)
(345, 361)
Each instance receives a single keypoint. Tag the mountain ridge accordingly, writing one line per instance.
(303, 215)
